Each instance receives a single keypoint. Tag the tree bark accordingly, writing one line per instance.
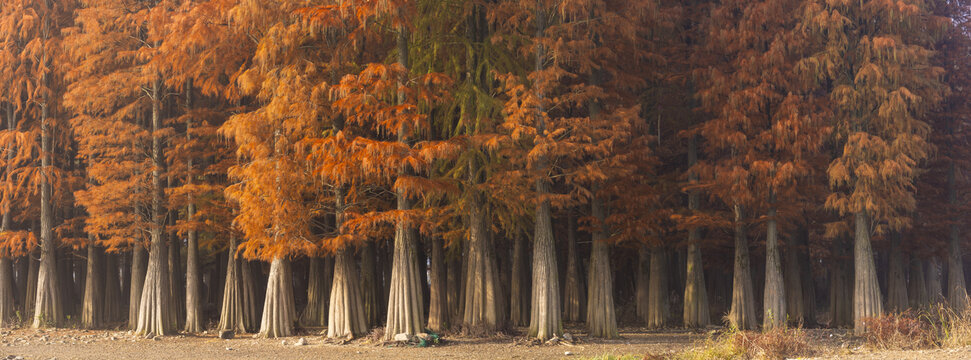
(841, 288)
(454, 287)
(23, 270)
(866, 294)
(642, 287)
(657, 294)
(916, 288)
(47, 303)
(176, 281)
(774, 297)
(742, 313)
(573, 294)
(92, 313)
(318, 291)
(483, 307)
(795, 299)
(370, 287)
(279, 312)
(601, 317)
(346, 319)
(112, 289)
(7, 309)
(957, 293)
(438, 307)
(696, 313)
(137, 282)
(896, 279)
(935, 291)
(231, 314)
(33, 270)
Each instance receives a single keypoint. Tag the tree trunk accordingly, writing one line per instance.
(695, 295)
(438, 307)
(917, 290)
(176, 281)
(935, 292)
(47, 303)
(642, 287)
(346, 318)
(896, 279)
(231, 314)
(370, 286)
(33, 271)
(601, 317)
(454, 288)
(657, 294)
(483, 307)
(7, 309)
(314, 314)
(112, 289)
(92, 313)
(866, 293)
(194, 319)
(251, 294)
(795, 299)
(774, 297)
(841, 288)
(808, 280)
(573, 295)
(957, 293)
(742, 314)
(279, 312)
(23, 269)
(138, 268)
(404, 301)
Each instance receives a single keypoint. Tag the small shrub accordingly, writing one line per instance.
(901, 331)
(775, 344)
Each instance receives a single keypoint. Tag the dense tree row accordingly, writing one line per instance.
(481, 165)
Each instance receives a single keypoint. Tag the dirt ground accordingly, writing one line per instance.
(85, 344)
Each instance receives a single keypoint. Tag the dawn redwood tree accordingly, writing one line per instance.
(872, 60)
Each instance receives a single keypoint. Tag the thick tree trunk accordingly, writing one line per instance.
(957, 293)
(774, 297)
(601, 317)
(916, 288)
(23, 269)
(695, 312)
(346, 318)
(795, 299)
(193, 279)
(573, 294)
(47, 303)
(841, 288)
(33, 271)
(519, 284)
(935, 290)
(7, 310)
(742, 314)
(454, 287)
(92, 310)
(279, 312)
(176, 281)
(896, 279)
(251, 291)
(405, 312)
(318, 291)
(137, 282)
(438, 307)
(483, 306)
(866, 293)
(370, 286)
(155, 315)
(231, 314)
(112, 289)
(657, 295)
(808, 280)
(642, 283)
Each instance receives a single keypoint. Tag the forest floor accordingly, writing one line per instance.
(87, 344)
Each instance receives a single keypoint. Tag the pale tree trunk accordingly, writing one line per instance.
(155, 315)
(112, 286)
(866, 292)
(405, 305)
(896, 279)
(315, 314)
(957, 293)
(346, 318)
(774, 297)
(232, 309)
(438, 307)
(483, 306)
(935, 291)
(47, 303)
(642, 282)
(916, 289)
(795, 299)
(92, 309)
(695, 312)
(138, 268)
(193, 279)
(742, 313)
(657, 295)
(573, 294)
(370, 289)
(279, 312)
(601, 317)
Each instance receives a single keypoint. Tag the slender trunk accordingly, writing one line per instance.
(453, 278)
(896, 279)
(279, 312)
(642, 287)
(742, 314)
(601, 317)
(138, 268)
(370, 287)
(438, 308)
(47, 303)
(346, 318)
(935, 291)
(92, 313)
(808, 280)
(23, 269)
(916, 288)
(573, 295)
(866, 293)
(957, 293)
(405, 305)
(193, 291)
(695, 295)
(112, 289)
(32, 271)
(176, 281)
(315, 314)
(774, 297)
(7, 309)
(482, 292)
